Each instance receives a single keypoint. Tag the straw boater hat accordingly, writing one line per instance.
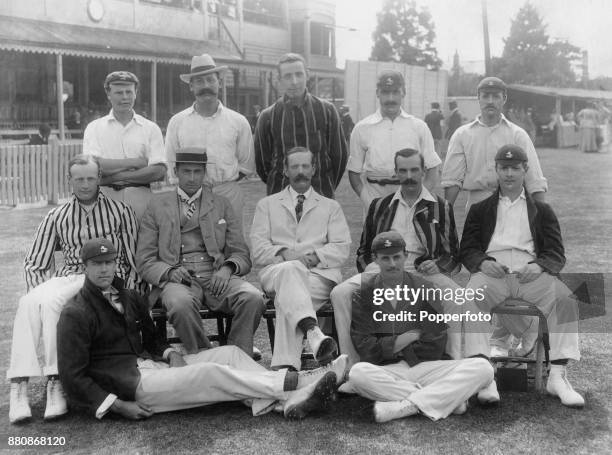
(192, 155)
(203, 64)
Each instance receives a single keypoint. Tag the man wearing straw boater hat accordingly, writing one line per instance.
(223, 133)
(129, 147)
(191, 249)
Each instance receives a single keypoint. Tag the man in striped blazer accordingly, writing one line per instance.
(299, 119)
(88, 214)
(427, 224)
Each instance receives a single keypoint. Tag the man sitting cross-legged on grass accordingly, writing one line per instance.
(403, 366)
(512, 245)
(110, 360)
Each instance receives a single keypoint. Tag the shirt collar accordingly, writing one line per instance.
(220, 108)
(294, 194)
(99, 198)
(188, 199)
(303, 101)
(377, 117)
(425, 196)
(478, 121)
(506, 199)
(135, 117)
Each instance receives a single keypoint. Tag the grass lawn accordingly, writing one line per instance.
(580, 191)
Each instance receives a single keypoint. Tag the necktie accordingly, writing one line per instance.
(190, 202)
(299, 207)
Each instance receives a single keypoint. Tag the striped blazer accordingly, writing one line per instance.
(315, 124)
(434, 223)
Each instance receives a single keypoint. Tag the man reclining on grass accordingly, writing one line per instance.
(109, 359)
(401, 340)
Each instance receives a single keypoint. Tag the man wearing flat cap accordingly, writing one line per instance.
(223, 133)
(129, 147)
(403, 367)
(192, 251)
(299, 119)
(376, 138)
(111, 360)
(470, 163)
(512, 245)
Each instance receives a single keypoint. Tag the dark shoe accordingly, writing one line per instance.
(314, 397)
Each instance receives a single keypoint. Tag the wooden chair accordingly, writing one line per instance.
(522, 308)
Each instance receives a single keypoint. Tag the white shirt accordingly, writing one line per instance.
(226, 135)
(511, 243)
(403, 220)
(470, 161)
(107, 138)
(375, 139)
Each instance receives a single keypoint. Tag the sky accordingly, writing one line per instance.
(458, 25)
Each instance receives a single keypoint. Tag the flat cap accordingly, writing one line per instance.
(511, 153)
(389, 242)
(493, 84)
(120, 77)
(390, 79)
(98, 250)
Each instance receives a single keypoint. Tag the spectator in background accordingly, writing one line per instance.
(454, 120)
(588, 119)
(433, 120)
(347, 122)
(42, 138)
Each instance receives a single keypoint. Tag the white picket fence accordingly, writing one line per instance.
(35, 173)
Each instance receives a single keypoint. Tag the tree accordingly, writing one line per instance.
(531, 57)
(405, 34)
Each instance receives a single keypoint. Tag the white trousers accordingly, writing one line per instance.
(341, 298)
(549, 294)
(225, 373)
(298, 294)
(435, 387)
(36, 318)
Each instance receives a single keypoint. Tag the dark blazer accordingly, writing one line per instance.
(543, 224)
(434, 223)
(454, 122)
(97, 346)
(374, 340)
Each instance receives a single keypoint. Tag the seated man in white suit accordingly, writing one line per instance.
(301, 239)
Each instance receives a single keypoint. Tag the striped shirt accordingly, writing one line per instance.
(313, 124)
(69, 226)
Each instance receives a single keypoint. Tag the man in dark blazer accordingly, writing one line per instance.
(512, 245)
(454, 120)
(191, 249)
(111, 361)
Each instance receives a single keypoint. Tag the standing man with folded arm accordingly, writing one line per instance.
(129, 148)
(208, 124)
(470, 161)
(376, 138)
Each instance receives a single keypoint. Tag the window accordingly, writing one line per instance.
(321, 39)
(267, 12)
(297, 37)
